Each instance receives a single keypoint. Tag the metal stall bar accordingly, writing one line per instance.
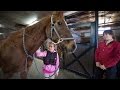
(96, 38)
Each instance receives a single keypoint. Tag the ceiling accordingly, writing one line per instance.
(17, 19)
(14, 20)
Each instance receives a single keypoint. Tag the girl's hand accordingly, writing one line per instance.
(57, 72)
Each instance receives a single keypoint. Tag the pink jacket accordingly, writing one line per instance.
(48, 68)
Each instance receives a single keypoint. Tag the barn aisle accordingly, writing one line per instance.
(35, 74)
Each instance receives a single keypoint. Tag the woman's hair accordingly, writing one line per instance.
(110, 32)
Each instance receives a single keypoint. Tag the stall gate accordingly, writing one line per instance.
(82, 61)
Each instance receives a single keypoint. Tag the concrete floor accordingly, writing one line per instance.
(35, 72)
(36, 69)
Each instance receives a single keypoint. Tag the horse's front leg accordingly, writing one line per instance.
(24, 73)
(8, 75)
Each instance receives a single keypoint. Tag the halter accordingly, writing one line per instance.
(58, 35)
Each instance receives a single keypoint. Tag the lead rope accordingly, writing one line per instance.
(29, 56)
(32, 57)
(36, 65)
(26, 51)
(24, 46)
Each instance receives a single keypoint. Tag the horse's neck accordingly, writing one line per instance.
(36, 35)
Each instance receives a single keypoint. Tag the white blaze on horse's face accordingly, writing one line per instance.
(61, 31)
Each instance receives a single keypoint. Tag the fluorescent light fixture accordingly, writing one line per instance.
(106, 20)
(1, 33)
(1, 25)
(104, 28)
(69, 12)
(31, 20)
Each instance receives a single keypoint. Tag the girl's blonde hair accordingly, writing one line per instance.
(48, 42)
(52, 43)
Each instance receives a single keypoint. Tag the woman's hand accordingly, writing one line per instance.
(103, 67)
(97, 64)
(100, 66)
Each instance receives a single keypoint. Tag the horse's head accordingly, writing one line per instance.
(59, 32)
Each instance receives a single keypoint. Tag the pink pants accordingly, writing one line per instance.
(51, 75)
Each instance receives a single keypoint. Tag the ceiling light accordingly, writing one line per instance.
(102, 29)
(1, 25)
(31, 20)
(106, 20)
(1, 33)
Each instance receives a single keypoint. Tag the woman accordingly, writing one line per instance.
(107, 55)
(51, 61)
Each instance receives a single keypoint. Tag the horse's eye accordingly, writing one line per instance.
(59, 23)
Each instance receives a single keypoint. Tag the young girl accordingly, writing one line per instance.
(51, 61)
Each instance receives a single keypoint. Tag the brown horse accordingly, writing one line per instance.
(17, 49)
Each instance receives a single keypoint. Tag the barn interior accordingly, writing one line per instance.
(86, 27)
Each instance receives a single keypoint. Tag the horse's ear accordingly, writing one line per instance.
(58, 13)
